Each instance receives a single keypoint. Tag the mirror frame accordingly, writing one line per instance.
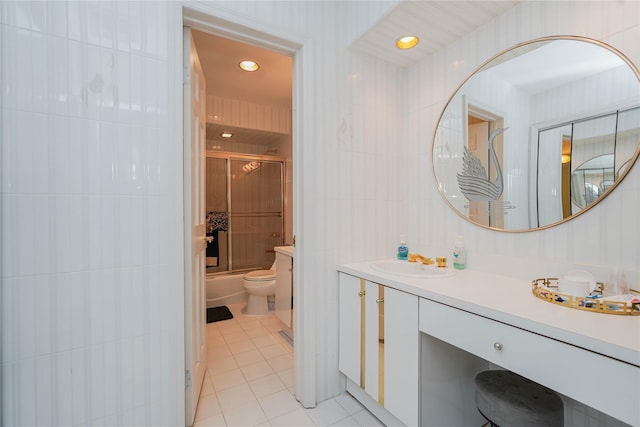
(629, 164)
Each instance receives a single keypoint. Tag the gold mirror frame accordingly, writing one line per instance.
(504, 56)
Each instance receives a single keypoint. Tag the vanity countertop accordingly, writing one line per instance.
(511, 301)
(285, 250)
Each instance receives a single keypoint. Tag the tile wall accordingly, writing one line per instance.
(88, 328)
(89, 279)
(88, 282)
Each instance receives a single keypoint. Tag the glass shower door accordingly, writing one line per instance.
(256, 213)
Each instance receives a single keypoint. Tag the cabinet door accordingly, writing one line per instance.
(401, 355)
(284, 282)
(349, 309)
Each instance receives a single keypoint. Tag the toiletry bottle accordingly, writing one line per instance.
(459, 255)
(403, 250)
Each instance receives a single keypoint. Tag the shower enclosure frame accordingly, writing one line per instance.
(230, 156)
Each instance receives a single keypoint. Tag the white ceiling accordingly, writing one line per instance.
(219, 57)
(436, 23)
(554, 64)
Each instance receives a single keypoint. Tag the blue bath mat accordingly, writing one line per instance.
(215, 314)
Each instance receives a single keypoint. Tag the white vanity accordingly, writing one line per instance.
(439, 332)
(284, 288)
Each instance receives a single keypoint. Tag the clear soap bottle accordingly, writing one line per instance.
(459, 255)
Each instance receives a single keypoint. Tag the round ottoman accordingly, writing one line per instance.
(508, 399)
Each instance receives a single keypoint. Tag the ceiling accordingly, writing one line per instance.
(436, 23)
(219, 57)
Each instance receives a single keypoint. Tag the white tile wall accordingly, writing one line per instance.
(249, 115)
(87, 188)
(86, 278)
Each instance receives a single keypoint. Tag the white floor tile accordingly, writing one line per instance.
(249, 414)
(215, 341)
(229, 328)
(281, 363)
(287, 377)
(249, 357)
(218, 352)
(266, 385)
(297, 418)
(239, 336)
(207, 385)
(235, 396)
(277, 404)
(327, 413)
(256, 370)
(272, 351)
(265, 340)
(217, 367)
(208, 406)
(250, 380)
(257, 332)
(214, 421)
(366, 419)
(241, 346)
(252, 325)
(347, 422)
(212, 334)
(227, 380)
(349, 403)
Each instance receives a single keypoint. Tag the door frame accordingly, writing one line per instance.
(213, 19)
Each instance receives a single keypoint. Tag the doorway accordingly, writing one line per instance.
(214, 19)
(480, 123)
(302, 53)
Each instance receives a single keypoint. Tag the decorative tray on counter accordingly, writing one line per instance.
(548, 290)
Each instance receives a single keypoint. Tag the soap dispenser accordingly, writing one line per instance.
(403, 250)
(459, 255)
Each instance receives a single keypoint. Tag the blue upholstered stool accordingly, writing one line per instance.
(506, 399)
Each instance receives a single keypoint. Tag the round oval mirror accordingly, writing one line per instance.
(520, 143)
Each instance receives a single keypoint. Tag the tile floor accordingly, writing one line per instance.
(250, 380)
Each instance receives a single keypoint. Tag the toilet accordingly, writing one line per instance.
(259, 284)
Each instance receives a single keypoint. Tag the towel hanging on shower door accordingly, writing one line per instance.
(216, 221)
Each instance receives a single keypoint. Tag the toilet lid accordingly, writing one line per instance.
(260, 275)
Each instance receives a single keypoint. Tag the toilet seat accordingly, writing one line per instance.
(260, 275)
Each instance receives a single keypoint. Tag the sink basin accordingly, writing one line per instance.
(411, 269)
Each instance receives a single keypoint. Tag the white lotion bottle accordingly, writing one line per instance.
(459, 255)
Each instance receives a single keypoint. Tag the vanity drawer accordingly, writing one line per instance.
(601, 382)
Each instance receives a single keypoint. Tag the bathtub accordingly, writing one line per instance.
(224, 289)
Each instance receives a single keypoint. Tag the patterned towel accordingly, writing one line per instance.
(217, 221)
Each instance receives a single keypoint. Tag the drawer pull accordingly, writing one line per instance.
(497, 346)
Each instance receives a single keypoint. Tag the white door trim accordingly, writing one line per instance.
(211, 18)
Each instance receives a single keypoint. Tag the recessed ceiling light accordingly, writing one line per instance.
(226, 134)
(249, 65)
(407, 42)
